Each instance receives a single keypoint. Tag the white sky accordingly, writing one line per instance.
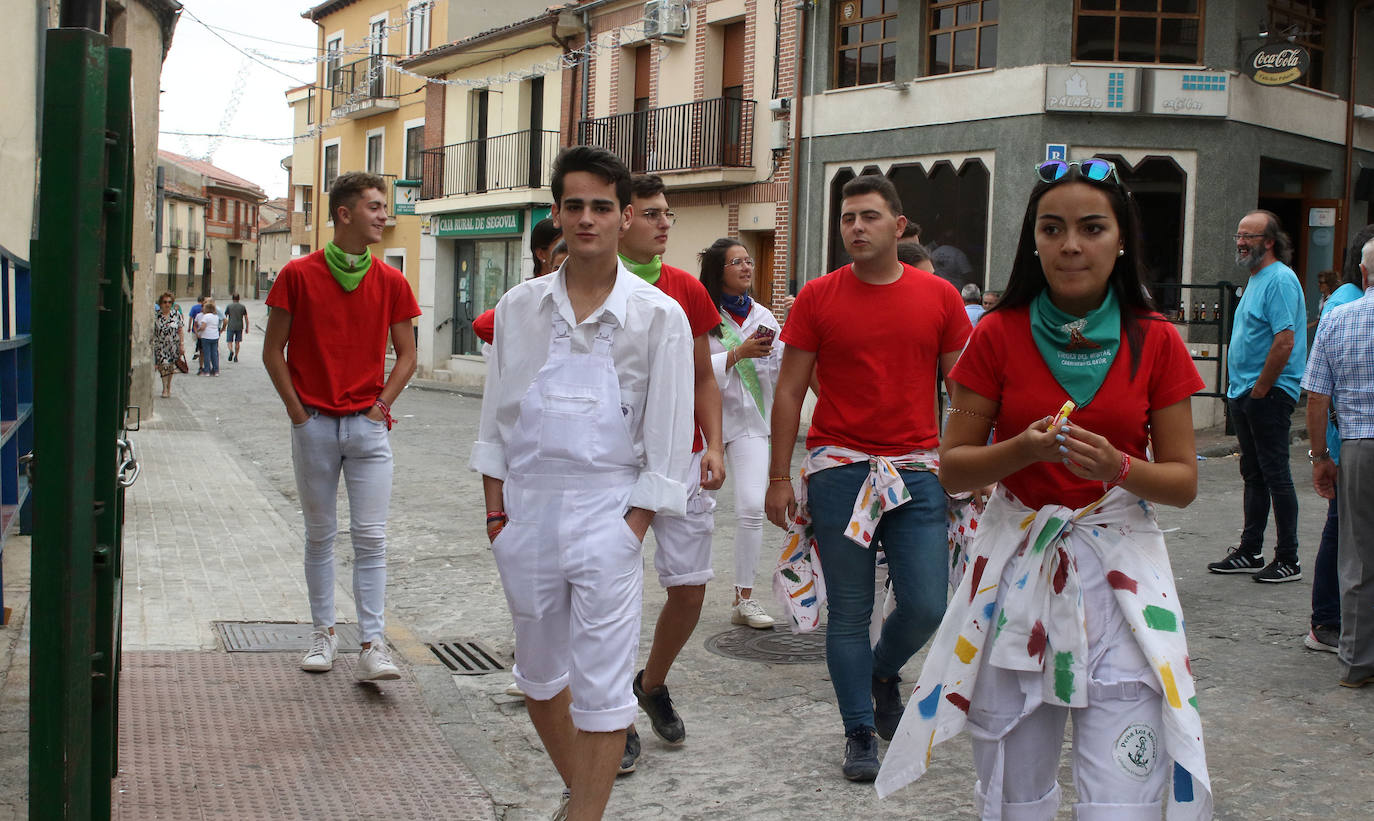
(201, 73)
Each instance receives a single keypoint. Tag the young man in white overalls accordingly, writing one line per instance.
(585, 434)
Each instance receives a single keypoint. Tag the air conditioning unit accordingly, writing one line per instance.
(665, 18)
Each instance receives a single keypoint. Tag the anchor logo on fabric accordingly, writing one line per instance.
(1137, 751)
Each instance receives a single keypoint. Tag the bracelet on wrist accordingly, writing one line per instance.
(386, 412)
(1122, 472)
(772, 479)
(496, 516)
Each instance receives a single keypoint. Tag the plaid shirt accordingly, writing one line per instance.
(1342, 366)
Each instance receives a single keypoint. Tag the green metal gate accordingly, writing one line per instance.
(82, 289)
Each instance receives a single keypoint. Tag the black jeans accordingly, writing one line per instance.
(1262, 427)
(1326, 583)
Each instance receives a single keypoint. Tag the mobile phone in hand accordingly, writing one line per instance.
(764, 332)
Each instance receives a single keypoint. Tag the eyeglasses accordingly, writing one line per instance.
(1095, 170)
(1246, 237)
(742, 261)
(655, 214)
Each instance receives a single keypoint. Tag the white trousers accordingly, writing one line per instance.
(747, 467)
(1120, 769)
(682, 556)
(321, 448)
(573, 573)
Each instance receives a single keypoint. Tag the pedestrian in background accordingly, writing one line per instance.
(168, 344)
(874, 331)
(1069, 604)
(1264, 366)
(191, 326)
(235, 326)
(1324, 630)
(1341, 373)
(325, 350)
(208, 326)
(973, 302)
(682, 555)
(990, 299)
(584, 440)
(745, 357)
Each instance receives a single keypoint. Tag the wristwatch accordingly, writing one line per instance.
(1317, 457)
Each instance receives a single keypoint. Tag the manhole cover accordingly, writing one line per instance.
(777, 646)
(273, 636)
(466, 657)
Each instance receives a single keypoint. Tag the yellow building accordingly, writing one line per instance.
(365, 115)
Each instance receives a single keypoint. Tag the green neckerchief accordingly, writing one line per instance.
(647, 271)
(347, 268)
(1078, 350)
(748, 374)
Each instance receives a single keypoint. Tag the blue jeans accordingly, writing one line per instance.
(1326, 583)
(915, 539)
(1262, 432)
(209, 355)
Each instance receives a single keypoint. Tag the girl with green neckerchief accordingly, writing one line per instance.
(745, 355)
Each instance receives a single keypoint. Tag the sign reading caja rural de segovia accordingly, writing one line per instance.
(1277, 64)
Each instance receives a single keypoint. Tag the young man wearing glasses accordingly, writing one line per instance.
(683, 556)
(1265, 364)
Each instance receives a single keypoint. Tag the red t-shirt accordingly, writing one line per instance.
(336, 350)
(485, 326)
(1003, 364)
(701, 314)
(877, 351)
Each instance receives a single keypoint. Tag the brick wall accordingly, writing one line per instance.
(435, 97)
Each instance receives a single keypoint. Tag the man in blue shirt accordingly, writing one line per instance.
(1342, 371)
(1325, 631)
(1264, 366)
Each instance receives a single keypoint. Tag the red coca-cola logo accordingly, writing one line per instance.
(1277, 64)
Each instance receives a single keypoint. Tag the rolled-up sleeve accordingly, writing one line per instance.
(668, 420)
(489, 451)
(718, 362)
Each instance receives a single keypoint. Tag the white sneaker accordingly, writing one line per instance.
(374, 664)
(320, 659)
(513, 689)
(750, 612)
(561, 814)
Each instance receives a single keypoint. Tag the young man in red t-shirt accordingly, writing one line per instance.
(683, 554)
(335, 309)
(875, 331)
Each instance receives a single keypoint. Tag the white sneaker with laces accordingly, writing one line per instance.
(374, 664)
(320, 658)
(750, 612)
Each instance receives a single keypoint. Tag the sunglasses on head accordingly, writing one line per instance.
(1095, 170)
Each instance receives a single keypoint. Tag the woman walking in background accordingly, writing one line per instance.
(208, 324)
(745, 358)
(168, 345)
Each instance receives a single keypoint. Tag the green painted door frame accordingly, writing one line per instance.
(82, 270)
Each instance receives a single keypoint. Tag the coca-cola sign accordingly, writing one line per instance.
(1277, 64)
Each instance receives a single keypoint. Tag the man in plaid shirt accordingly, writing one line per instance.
(1341, 368)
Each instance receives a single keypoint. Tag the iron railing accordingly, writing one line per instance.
(358, 83)
(523, 159)
(194, 242)
(174, 241)
(716, 133)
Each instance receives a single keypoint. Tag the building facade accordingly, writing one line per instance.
(181, 256)
(956, 102)
(229, 264)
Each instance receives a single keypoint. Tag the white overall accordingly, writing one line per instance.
(571, 567)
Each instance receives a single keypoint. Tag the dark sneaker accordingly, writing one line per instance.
(1321, 637)
(632, 750)
(887, 705)
(1280, 571)
(658, 705)
(1237, 562)
(861, 754)
(1352, 680)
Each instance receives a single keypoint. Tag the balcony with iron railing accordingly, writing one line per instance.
(715, 135)
(174, 237)
(523, 159)
(193, 241)
(363, 88)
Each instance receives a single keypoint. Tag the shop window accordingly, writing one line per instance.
(865, 42)
(1304, 23)
(1139, 31)
(962, 36)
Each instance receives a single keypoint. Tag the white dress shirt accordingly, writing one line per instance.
(739, 415)
(652, 351)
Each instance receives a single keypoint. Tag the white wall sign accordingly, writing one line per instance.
(1095, 90)
(1189, 93)
(1321, 217)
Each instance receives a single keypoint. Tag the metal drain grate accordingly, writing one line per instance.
(273, 637)
(777, 646)
(466, 657)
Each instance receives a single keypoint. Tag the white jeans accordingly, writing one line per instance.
(321, 448)
(747, 459)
